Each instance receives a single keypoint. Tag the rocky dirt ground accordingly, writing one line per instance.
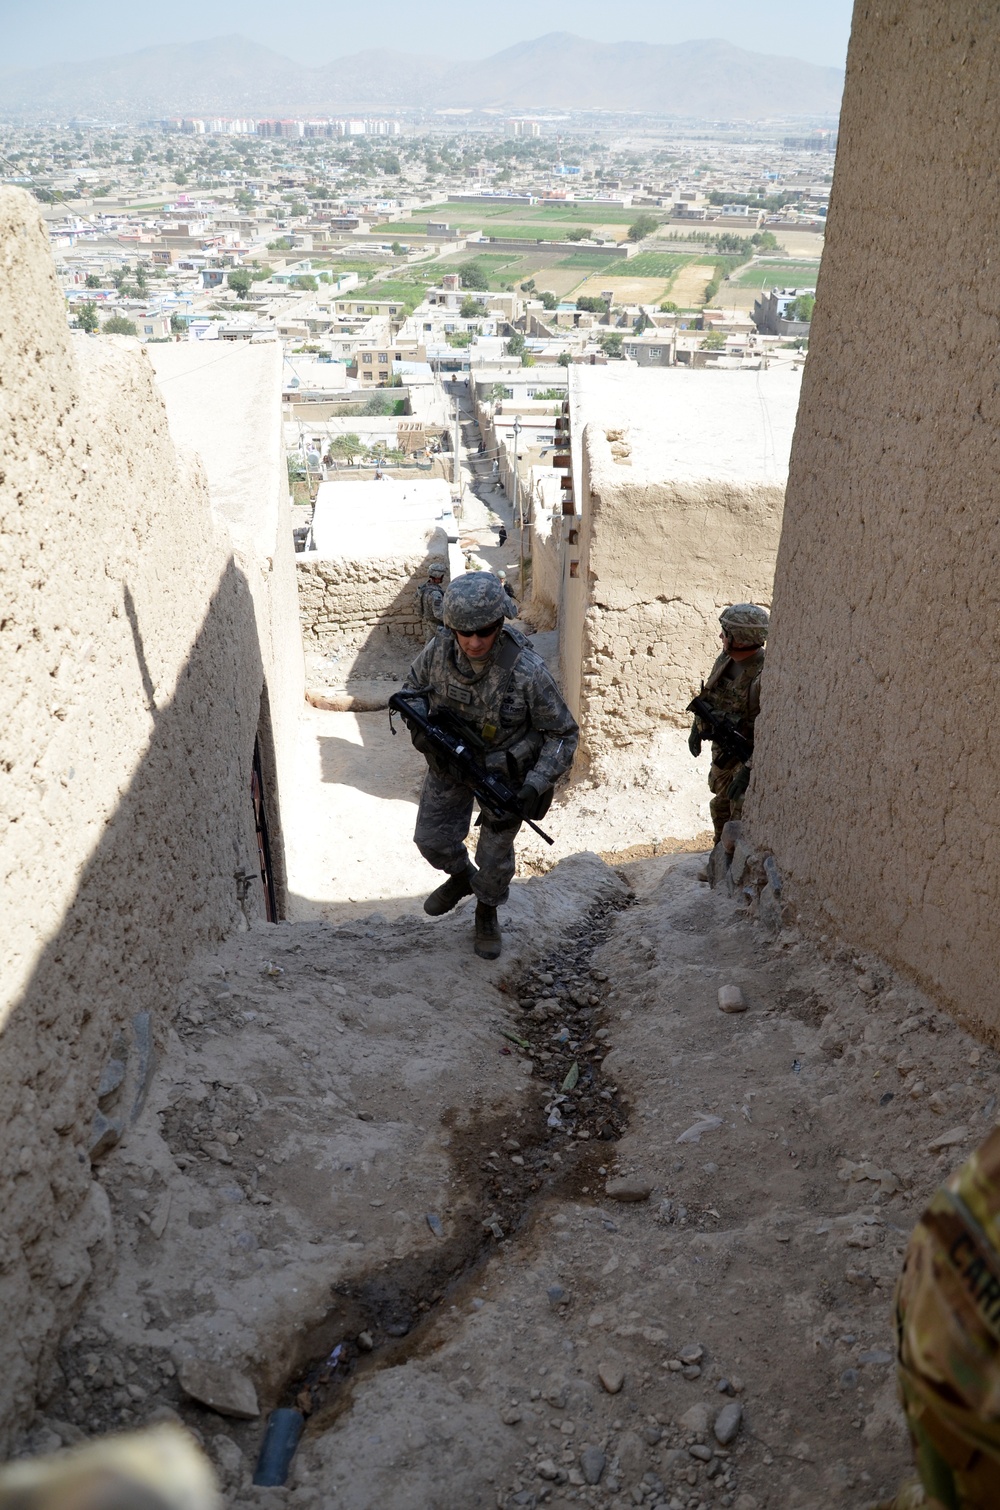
(580, 1237)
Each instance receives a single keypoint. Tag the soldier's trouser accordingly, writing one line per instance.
(443, 819)
(722, 810)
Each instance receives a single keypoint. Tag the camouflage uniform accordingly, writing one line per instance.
(737, 696)
(431, 597)
(519, 727)
(948, 1337)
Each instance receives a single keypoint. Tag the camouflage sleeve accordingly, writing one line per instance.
(419, 674)
(551, 717)
(753, 699)
(434, 605)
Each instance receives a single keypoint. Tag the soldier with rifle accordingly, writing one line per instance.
(486, 714)
(430, 598)
(727, 707)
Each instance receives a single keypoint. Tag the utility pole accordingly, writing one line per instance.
(456, 475)
(517, 510)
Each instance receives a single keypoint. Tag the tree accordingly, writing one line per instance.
(727, 242)
(549, 300)
(641, 322)
(397, 249)
(528, 286)
(347, 446)
(714, 341)
(140, 277)
(177, 325)
(765, 241)
(377, 404)
(527, 360)
(497, 394)
(641, 227)
(305, 281)
(474, 276)
(668, 307)
(579, 233)
(564, 359)
(611, 343)
(471, 308)
(515, 344)
(391, 163)
(92, 281)
(119, 326)
(86, 317)
(239, 280)
(591, 305)
(802, 308)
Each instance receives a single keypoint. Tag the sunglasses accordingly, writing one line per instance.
(480, 634)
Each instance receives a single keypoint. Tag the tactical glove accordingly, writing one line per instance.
(530, 800)
(694, 741)
(739, 783)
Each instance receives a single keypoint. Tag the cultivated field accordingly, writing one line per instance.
(777, 275)
(688, 288)
(626, 290)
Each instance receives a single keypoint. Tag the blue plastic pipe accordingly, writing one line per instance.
(284, 1427)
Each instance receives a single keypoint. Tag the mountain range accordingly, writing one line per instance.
(233, 76)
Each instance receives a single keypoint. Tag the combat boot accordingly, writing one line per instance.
(448, 894)
(488, 939)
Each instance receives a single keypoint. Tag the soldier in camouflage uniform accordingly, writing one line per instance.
(948, 1339)
(485, 673)
(733, 688)
(431, 597)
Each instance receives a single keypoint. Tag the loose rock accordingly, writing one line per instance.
(731, 999)
(727, 1423)
(631, 1187)
(592, 1463)
(221, 1388)
(611, 1375)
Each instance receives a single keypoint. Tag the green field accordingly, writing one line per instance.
(779, 274)
(655, 264)
(592, 261)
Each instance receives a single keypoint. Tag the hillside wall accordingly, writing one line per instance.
(874, 785)
(131, 684)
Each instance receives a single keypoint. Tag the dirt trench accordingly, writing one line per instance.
(356, 1138)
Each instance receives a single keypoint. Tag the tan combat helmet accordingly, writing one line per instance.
(746, 624)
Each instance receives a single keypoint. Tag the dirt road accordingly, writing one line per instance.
(362, 1136)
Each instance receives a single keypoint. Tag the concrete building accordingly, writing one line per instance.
(874, 785)
(145, 674)
(674, 509)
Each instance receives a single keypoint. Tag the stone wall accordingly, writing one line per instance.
(344, 602)
(874, 786)
(655, 563)
(131, 687)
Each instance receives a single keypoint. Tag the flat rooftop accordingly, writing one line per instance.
(371, 520)
(695, 425)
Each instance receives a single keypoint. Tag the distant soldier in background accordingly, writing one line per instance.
(511, 610)
(431, 597)
(733, 689)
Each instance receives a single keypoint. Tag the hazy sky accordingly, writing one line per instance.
(35, 32)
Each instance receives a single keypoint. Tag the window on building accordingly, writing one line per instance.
(508, 393)
(574, 568)
(654, 351)
(366, 356)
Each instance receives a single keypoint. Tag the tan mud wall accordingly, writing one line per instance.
(658, 563)
(875, 784)
(130, 688)
(344, 603)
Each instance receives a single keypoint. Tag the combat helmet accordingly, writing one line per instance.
(746, 624)
(472, 601)
(436, 572)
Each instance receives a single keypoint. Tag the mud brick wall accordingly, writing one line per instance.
(131, 682)
(658, 561)
(875, 787)
(343, 602)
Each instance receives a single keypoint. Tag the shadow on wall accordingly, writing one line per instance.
(79, 1044)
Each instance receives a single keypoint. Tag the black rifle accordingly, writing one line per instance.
(724, 731)
(445, 737)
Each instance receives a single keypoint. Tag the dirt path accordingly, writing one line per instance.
(345, 1144)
